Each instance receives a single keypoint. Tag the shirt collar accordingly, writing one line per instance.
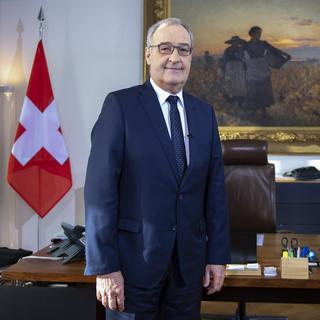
(163, 95)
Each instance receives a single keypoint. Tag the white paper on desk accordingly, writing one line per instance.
(42, 258)
(235, 266)
(260, 238)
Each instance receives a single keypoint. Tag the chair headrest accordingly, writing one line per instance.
(244, 152)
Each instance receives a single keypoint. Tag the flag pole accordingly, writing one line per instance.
(41, 20)
(39, 112)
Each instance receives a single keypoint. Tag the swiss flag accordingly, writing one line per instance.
(39, 167)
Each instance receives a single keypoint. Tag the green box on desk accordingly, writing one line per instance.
(294, 268)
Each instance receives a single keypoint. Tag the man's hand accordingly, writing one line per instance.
(110, 290)
(213, 277)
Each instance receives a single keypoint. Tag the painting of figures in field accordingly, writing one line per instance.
(257, 62)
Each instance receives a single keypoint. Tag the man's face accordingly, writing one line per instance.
(169, 71)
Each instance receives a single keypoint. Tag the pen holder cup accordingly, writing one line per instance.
(294, 268)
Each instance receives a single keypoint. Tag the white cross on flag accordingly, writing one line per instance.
(39, 167)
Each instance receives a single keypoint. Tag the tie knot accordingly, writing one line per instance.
(173, 100)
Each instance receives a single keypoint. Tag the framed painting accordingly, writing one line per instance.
(258, 64)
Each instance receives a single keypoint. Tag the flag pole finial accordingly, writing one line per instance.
(41, 19)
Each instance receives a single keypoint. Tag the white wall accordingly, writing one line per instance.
(285, 163)
(92, 48)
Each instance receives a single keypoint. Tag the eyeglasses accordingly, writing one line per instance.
(168, 48)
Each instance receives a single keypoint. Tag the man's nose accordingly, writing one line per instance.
(174, 56)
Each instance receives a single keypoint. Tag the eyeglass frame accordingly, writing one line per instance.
(173, 48)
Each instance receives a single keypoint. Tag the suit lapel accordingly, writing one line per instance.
(150, 104)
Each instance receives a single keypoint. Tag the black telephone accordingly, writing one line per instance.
(73, 247)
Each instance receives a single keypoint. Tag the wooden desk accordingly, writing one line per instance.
(236, 288)
(47, 271)
(244, 289)
(269, 255)
(40, 301)
(273, 289)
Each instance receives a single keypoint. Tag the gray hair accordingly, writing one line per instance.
(168, 22)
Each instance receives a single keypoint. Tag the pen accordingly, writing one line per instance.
(291, 253)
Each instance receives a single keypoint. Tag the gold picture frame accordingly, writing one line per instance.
(281, 140)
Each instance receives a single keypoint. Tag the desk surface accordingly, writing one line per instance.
(47, 271)
(268, 255)
(281, 179)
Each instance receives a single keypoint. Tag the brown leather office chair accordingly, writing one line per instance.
(250, 186)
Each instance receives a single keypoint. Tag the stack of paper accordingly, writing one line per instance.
(249, 269)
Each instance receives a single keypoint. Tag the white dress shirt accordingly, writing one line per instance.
(165, 107)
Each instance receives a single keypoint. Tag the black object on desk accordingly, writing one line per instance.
(10, 256)
(304, 173)
(243, 247)
(71, 248)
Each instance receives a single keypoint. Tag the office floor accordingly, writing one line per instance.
(292, 311)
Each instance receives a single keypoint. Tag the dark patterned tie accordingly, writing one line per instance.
(177, 136)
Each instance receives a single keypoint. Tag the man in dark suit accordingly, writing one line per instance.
(156, 216)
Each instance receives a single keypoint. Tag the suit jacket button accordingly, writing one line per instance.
(181, 196)
(174, 228)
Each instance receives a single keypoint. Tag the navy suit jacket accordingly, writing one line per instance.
(135, 208)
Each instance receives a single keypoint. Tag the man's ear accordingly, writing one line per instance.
(147, 55)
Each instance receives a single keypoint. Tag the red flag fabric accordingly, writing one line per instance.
(39, 166)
